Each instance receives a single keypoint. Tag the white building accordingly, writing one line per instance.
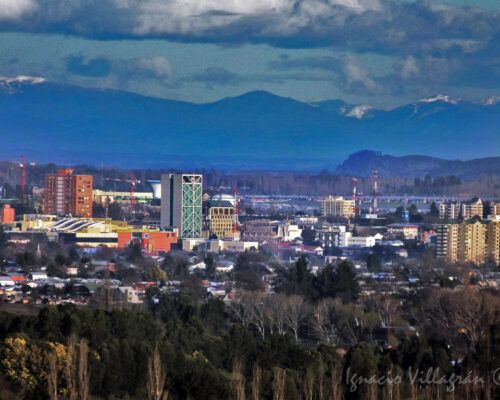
(288, 232)
(347, 240)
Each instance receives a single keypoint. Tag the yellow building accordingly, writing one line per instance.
(472, 209)
(472, 242)
(219, 218)
(493, 241)
(337, 206)
(466, 242)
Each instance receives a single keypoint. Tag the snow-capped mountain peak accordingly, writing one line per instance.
(438, 98)
(491, 101)
(359, 112)
(12, 85)
(25, 79)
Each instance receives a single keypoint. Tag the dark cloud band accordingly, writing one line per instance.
(363, 25)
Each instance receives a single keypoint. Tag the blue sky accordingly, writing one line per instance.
(378, 52)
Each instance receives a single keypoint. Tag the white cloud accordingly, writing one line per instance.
(358, 77)
(14, 9)
(157, 66)
(409, 68)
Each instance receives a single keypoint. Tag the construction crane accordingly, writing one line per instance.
(115, 180)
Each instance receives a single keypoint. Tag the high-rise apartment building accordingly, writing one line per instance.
(447, 242)
(337, 206)
(493, 241)
(181, 203)
(8, 214)
(450, 211)
(472, 209)
(466, 210)
(472, 242)
(465, 242)
(68, 194)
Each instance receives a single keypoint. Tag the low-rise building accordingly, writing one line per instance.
(288, 232)
(105, 197)
(402, 230)
(348, 240)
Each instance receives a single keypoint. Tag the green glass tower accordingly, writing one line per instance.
(181, 203)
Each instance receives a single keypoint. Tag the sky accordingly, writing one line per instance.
(378, 52)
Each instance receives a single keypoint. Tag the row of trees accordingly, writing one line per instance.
(259, 346)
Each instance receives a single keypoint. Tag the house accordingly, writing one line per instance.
(6, 280)
(401, 230)
(18, 277)
(37, 276)
(133, 295)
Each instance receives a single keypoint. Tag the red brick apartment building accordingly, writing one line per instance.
(68, 194)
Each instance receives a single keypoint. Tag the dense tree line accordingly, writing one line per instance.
(262, 346)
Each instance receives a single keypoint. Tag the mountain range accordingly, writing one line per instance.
(363, 163)
(65, 124)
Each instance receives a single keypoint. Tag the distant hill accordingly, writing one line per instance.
(364, 162)
(258, 130)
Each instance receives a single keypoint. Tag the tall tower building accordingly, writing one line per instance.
(493, 241)
(181, 203)
(68, 194)
(447, 242)
(473, 208)
(472, 242)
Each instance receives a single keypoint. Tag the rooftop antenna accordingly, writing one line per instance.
(354, 191)
(132, 192)
(22, 165)
(375, 190)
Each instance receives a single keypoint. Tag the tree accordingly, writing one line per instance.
(308, 236)
(296, 312)
(98, 210)
(373, 263)
(156, 274)
(210, 266)
(399, 213)
(256, 382)
(52, 376)
(415, 216)
(77, 369)
(156, 377)
(279, 377)
(324, 322)
(345, 281)
(434, 210)
(298, 279)
(114, 211)
(238, 379)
